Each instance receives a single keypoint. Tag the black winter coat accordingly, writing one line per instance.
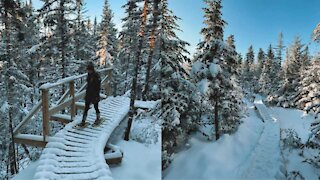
(93, 88)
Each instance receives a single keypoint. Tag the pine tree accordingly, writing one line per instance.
(152, 44)
(292, 75)
(128, 45)
(138, 56)
(31, 46)
(57, 44)
(14, 81)
(265, 80)
(248, 69)
(179, 100)
(260, 61)
(310, 86)
(231, 41)
(250, 56)
(212, 70)
(279, 51)
(107, 44)
(316, 33)
(240, 64)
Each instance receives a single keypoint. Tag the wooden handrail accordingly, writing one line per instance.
(64, 102)
(68, 79)
(63, 97)
(26, 119)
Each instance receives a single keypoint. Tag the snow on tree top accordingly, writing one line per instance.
(214, 69)
(4, 107)
(198, 68)
(33, 49)
(203, 86)
(12, 78)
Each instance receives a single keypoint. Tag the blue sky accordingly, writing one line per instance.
(256, 22)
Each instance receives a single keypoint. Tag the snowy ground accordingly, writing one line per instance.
(252, 152)
(142, 154)
(300, 122)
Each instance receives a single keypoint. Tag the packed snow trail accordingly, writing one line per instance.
(78, 153)
(265, 160)
(252, 152)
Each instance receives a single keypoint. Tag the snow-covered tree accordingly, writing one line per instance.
(260, 61)
(14, 80)
(84, 38)
(179, 99)
(213, 72)
(240, 64)
(152, 45)
(138, 56)
(265, 80)
(288, 92)
(128, 45)
(248, 69)
(316, 33)
(310, 101)
(279, 51)
(108, 42)
(57, 43)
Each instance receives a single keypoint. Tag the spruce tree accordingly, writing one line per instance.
(12, 16)
(179, 100)
(316, 34)
(212, 71)
(128, 44)
(292, 75)
(248, 70)
(152, 46)
(107, 43)
(57, 45)
(260, 61)
(265, 80)
(138, 55)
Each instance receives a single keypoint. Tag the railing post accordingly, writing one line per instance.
(73, 104)
(45, 113)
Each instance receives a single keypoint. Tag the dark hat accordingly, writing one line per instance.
(90, 66)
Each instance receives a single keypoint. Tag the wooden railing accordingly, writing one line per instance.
(67, 100)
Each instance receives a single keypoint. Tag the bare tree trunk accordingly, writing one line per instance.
(135, 78)
(27, 151)
(216, 118)
(126, 77)
(152, 45)
(12, 154)
(62, 43)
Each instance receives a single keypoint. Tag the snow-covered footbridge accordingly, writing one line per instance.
(265, 160)
(78, 153)
(74, 153)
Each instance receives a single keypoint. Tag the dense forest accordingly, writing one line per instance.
(201, 92)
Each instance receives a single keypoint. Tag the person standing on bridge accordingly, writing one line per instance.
(92, 93)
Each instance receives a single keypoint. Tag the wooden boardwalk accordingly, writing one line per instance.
(265, 160)
(75, 153)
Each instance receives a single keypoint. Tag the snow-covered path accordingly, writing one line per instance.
(253, 152)
(265, 160)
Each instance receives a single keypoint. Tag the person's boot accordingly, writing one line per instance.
(83, 122)
(97, 119)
